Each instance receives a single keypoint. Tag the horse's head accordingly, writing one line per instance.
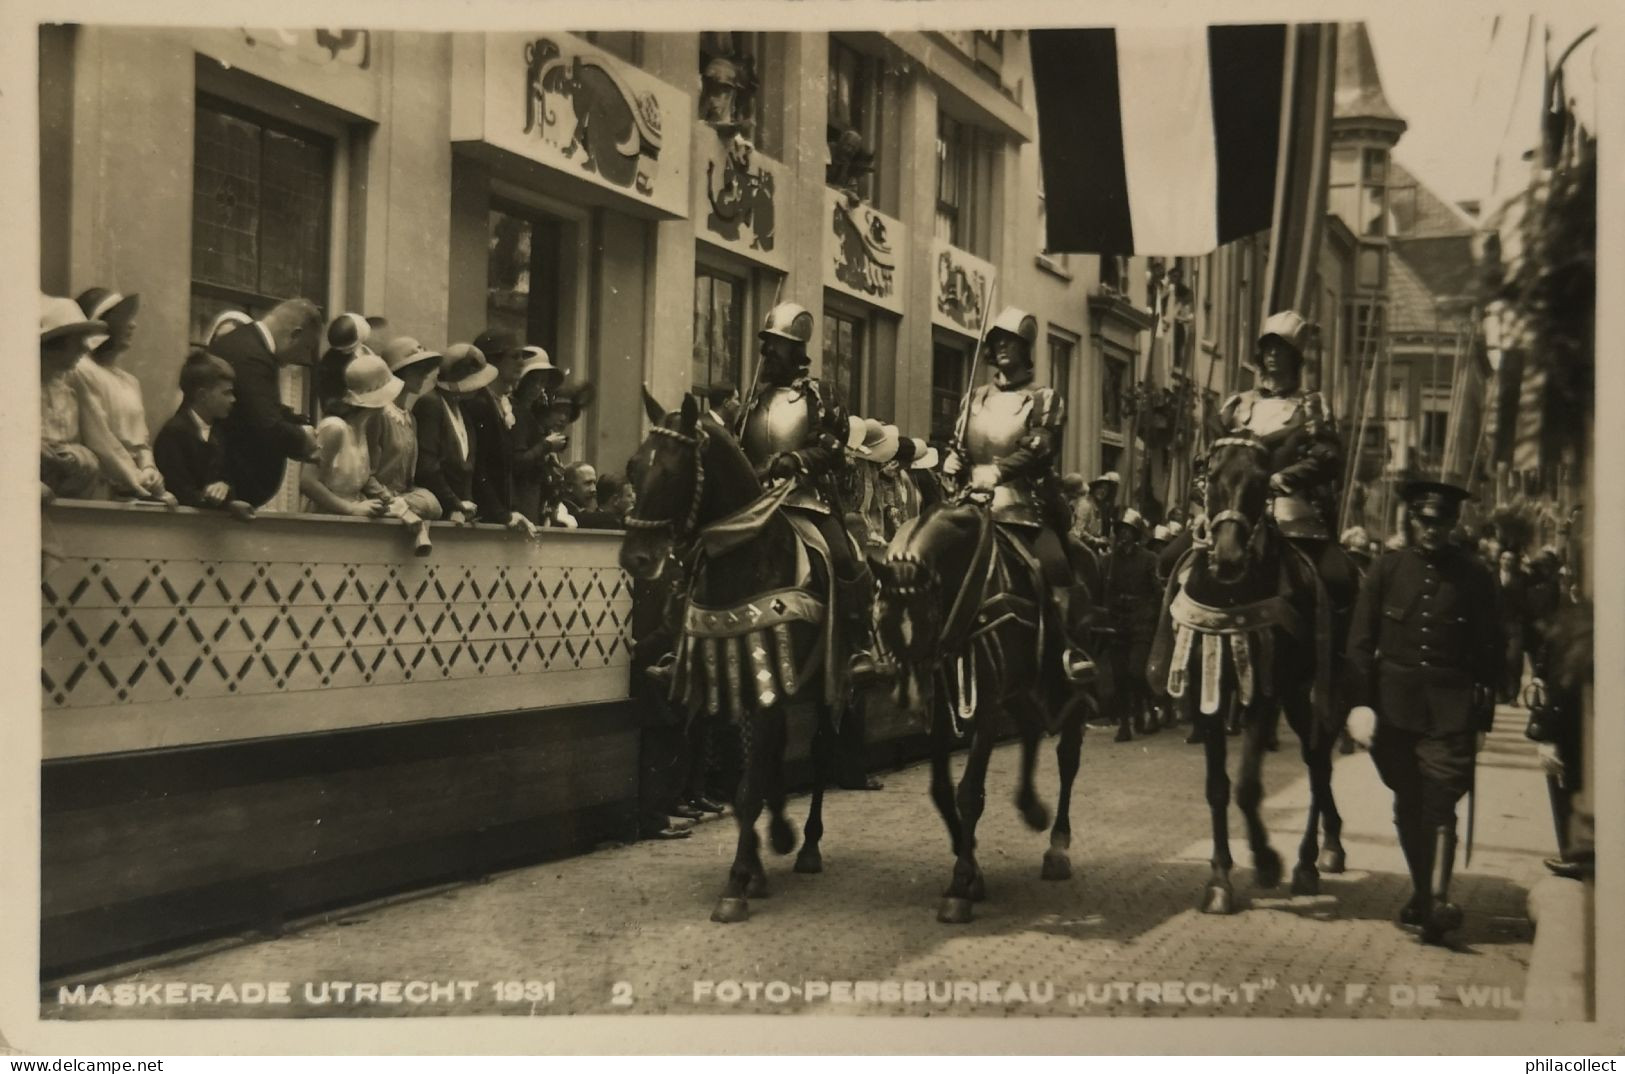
(668, 472)
(688, 472)
(1237, 496)
(927, 567)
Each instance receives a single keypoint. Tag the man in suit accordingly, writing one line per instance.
(1513, 588)
(261, 433)
(1424, 660)
(447, 442)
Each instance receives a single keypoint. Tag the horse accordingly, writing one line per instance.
(960, 613)
(1246, 632)
(756, 623)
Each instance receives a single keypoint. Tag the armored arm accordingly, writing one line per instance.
(821, 454)
(1036, 451)
(1320, 454)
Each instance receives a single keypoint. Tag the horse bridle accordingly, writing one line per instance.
(688, 525)
(1231, 514)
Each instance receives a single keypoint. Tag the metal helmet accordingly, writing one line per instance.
(1290, 328)
(789, 320)
(1016, 322)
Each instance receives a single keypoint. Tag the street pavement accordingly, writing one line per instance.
(626, 928)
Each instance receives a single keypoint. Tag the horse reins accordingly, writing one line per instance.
(1231, 514)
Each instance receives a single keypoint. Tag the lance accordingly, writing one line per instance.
(755, 377)
(975, 364)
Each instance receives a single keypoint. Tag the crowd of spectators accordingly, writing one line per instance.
(404, 433)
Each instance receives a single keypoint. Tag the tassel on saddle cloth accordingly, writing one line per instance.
(726, 653)
(1248, 632)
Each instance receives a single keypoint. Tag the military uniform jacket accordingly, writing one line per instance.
(1018, 431)
(1425, 631)
(1305, 452)
(804, 421)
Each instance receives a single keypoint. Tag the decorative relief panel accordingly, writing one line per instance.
(959, 289)
(861, 247)
(736, 196)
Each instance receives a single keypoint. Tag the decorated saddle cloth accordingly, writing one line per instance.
(744, 655)
(1193, 636)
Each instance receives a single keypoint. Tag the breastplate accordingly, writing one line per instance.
(779, 420)
(1271, 418)
(998, 421)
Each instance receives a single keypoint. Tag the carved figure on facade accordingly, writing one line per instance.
(320, 47)
(745, 198)
(617, 131)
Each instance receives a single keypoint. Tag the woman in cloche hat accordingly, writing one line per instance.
(117, 390)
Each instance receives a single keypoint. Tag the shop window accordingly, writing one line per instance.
(627, 44)
(261, 207)
(853, 119)
(718, 329)
(740, 90)
(844, 341)
(522, 275)
(948, 364)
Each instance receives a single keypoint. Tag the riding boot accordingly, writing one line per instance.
(1414, 914)
(855, 596)
(1444, 916)
(1076, 667)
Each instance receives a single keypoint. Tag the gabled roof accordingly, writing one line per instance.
(1422, 273)
(1422, 214)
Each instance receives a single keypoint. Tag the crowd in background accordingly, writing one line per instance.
(476, 432)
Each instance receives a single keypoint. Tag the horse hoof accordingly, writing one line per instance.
(1333, 861)
(1267, 868)
(809, 861)
(1219, 899)
(728, 911)
(1057, 866)
(756, 888)
(781, 835)
(954, 911)
(1305, 880)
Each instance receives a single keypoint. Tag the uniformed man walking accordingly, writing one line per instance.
(796, 430)
(1012, 435)
(1424, 656)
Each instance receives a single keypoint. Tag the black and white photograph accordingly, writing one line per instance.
(1051, 529)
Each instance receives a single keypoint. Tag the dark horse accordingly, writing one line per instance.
(753, 633)
(1246, 632)
(960, 612)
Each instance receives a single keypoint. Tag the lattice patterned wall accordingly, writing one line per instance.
(223, 615)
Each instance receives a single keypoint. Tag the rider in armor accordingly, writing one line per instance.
(1305, 450)
(794, 429)
(1012, 435)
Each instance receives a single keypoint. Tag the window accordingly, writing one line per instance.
(627, 44)
(261, 208)
(1060, 263)
(843, 357)
(1370, 268)
(964, 185)
(1434, 427)
(1113, 379)
(1368, 324)
(948, 364)
(522, 283)
(739, 85)
(1060, 379)
(854, 119)
(719, 316)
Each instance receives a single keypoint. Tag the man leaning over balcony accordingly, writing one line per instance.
(262, 433)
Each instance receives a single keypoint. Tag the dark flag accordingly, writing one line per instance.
(1174, 141)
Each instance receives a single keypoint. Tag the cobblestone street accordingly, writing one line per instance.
(626, 929)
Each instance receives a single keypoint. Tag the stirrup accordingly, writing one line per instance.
(1077, 668)
(663, 671)
(865, 667)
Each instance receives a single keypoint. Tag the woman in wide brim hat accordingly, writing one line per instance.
(116, 390)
